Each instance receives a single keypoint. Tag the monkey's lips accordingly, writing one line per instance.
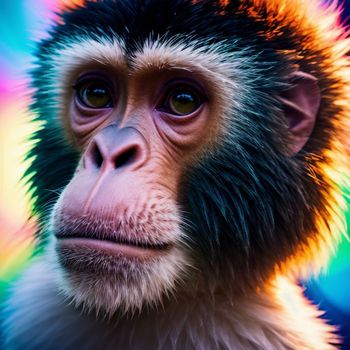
(117, 248)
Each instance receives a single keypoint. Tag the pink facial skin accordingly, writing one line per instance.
(134, 152)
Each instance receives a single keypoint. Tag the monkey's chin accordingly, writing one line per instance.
(111, 279)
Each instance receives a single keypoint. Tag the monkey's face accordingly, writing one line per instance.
(138, 125)
(193, 140)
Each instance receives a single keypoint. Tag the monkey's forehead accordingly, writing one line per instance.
(154, 54)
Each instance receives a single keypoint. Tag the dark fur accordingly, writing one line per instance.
(249, 200)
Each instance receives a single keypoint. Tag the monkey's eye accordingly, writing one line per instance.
(182, 101)
(94, 94)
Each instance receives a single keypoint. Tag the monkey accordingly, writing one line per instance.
(186, 174)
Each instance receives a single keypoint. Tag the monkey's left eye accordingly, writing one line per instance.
(94, 94)
(182, 101)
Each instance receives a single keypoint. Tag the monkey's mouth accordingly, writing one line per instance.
(112, 246)
(137, 244)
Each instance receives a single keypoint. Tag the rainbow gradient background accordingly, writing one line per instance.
(22, 22)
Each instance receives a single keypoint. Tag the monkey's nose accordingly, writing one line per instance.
(114, 148)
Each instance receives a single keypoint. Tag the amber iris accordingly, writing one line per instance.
(183, 101)
(94, 95)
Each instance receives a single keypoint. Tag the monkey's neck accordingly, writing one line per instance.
(279, 317)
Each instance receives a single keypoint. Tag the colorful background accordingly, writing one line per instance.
(21, 23)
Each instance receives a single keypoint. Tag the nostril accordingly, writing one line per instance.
(97, 157)
(126, 157)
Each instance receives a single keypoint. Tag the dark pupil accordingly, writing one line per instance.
(183, 102)
(95, 96)
(96, 92)
(185, 98)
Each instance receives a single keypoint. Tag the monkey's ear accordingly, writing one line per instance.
(301, 104)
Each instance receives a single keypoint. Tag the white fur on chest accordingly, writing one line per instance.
(38, 317)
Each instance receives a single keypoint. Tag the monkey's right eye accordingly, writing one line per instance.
(94, 94)
(182, 101)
